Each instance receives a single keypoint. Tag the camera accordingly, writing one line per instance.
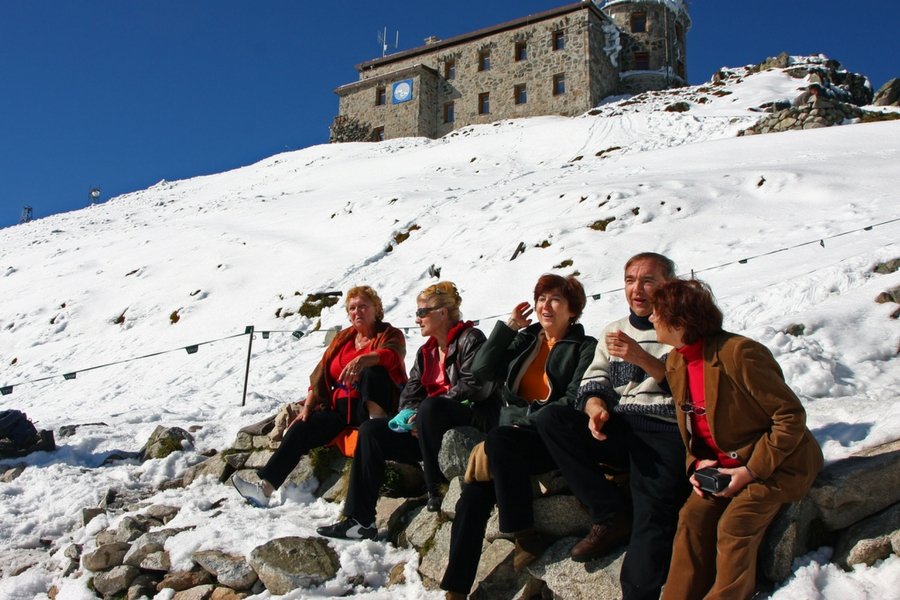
(711, 480)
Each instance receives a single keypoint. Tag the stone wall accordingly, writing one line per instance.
(661, 31)
(424, 115)
(821, 112)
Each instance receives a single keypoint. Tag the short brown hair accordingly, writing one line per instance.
(569, 287)
(369, 295)
(665, 263)
(442, 295)
(688, 304)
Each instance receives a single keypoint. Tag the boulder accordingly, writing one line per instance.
(434, 561)
(570, 580)
(183, 580)
(495, 577)
(162, 512)
(849, 490)
(142, 586)
(869, 540)
(788, 537)
(105, 556)
(402, 480)
(149, 555)
(164, 441)
(286, 564)
(456, 445)
(421, 529)
(224, 593)
(116, 580)
(201, 592)
(231, 571)
(888, 94)
(216, 467)
(556, 516)
(454, 491)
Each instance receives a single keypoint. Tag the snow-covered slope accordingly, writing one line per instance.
(101, 285)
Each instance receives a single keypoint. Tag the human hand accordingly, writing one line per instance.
(352, 370)
(598, 415)
(621, 345)
(740, 477)
(701, 464)
(519, 317)
(305, 411)
(412, 423)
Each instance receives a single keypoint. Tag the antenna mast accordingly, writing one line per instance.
(385, 44)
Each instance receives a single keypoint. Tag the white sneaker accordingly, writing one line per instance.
(252, 492)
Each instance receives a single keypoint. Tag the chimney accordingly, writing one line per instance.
(432, 39)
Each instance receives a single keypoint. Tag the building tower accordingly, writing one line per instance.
(653, 47)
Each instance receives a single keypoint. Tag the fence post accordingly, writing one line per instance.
(247, 330)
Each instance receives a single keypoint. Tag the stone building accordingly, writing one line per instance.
(563, 61)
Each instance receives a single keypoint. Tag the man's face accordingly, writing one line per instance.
(641, 279)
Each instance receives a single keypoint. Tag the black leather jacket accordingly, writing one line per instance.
(461, 350)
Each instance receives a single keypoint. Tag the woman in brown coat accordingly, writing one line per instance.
(738, 417)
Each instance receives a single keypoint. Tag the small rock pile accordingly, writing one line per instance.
(821, 112)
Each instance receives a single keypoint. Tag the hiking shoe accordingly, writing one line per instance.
(602, 538)
(434, 503)
(530, 544)
(252, 492)
(349, 529)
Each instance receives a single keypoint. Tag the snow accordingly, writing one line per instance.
(229, 250)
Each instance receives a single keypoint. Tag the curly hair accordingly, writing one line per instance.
(688, 304)
(569, 287)
(442, 295)
(369, 295)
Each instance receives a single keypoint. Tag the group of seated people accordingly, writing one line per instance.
(713, 439)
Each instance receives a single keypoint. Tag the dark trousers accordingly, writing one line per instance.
(515, 454)
(377, 444)
(564, 431)
(659, 487)
(435, 417)
(375, 385)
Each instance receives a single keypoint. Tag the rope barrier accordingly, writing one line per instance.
(250, 330)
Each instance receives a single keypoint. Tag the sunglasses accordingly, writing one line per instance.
(423, 312)
(690, 408)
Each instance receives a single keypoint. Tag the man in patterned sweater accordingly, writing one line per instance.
(627, 401)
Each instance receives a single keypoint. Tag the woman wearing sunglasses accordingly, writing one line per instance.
(441, 394)
(538, 368)
(749, 450)
(358, 377)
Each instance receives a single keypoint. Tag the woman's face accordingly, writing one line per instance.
(432, 319)
(673, 336)
(361, 313)
(552, 311)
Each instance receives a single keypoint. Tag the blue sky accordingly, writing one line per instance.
(121, 94)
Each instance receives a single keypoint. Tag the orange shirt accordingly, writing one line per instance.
(534, 384)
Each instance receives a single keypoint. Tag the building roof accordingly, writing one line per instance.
(467, 37)
(372, 81)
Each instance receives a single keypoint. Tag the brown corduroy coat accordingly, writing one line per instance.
(753, 414)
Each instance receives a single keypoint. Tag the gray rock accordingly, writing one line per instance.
(454, 491)
(556, 516)
(237, 459)
(455, 448)
(849, 490)
(162, 512)
(433, 563)
(224, 593)
(421, 528)
(286, 564)
(495, 577)
(88, 514)
(888, 94)
(201, 592)
(115, 580)
(140, 553)
(183, 580)
(73, 551)
(12, 472)
(216, 467)
(403, 480)
(231, 571)
(132, 527)
(869, 540)
(142, 586)
(787, 537)
(165, 440)
(303, 475)
(105, 556)
(258, 459)
(570, 580)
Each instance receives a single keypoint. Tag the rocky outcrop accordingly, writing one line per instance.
(820, 112)
(888, 94)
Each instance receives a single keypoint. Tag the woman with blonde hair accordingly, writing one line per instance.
(358, 377)
(441, 394)
(748, 447)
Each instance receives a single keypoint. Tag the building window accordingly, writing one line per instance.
(449, 115)
(559, 84)
(380, 96)
(484, 103)
(521, 51)
(638, 22)
(378, 134)
(450, 69)
(520, 96)
(484, 60)
(641, 61)
(559, 40)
